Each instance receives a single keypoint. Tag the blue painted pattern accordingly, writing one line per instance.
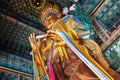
(108, 15)
(11, 61)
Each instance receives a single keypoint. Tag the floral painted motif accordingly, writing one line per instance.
(76, 0)
(72, 8)
(65, 10)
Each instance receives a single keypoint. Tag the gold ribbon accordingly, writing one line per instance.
(65, 53)
(60, 53)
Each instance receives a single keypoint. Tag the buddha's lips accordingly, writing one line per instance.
(47, 24)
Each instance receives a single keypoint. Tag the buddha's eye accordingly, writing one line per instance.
(49, 17)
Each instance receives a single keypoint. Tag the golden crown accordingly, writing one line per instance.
(49, 8)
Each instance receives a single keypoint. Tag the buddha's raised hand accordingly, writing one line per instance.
(35, 43)
(52, 35)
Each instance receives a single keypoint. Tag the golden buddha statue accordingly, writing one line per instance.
(66, 64)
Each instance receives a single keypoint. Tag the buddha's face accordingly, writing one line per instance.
(49, 20)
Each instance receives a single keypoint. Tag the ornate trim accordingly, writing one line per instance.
(40, 5)
(14, 71)
(115, 35)
(101, 32)
(98, 8)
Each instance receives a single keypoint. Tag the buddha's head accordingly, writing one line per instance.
(49, 15)
(50, 19)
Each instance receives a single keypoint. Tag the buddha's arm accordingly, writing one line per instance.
(60, 43)
(36, 44)
(39, 63)
(52, 35)
(46, 48)
(96, 53)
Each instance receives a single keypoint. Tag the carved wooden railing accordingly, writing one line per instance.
(17, 73)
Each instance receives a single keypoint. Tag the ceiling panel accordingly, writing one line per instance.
(109, 14)
(14, 37)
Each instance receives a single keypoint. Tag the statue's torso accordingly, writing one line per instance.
(72, 69)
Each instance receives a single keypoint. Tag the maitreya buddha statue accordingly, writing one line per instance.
(54, 59)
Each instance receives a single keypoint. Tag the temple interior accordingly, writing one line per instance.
(20, 18)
